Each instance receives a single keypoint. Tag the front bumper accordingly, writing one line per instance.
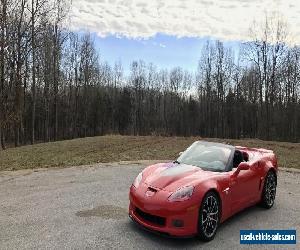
(158, 215)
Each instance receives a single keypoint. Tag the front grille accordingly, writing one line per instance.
(161, 221)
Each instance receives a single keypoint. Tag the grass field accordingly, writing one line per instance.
(124, 148)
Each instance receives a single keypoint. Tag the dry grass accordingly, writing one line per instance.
(123, 148)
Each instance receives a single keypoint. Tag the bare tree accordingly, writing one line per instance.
(54, 85)
(3, 45)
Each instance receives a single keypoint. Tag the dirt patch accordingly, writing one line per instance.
(105, 212)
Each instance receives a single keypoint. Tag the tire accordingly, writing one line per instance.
(269, 190)
(209, 217)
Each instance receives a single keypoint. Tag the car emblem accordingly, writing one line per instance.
(226, 190)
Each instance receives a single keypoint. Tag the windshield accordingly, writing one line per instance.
(207, 155)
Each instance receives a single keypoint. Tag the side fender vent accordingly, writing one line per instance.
(152, 189)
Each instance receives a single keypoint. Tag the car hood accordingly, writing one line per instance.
(171, 176)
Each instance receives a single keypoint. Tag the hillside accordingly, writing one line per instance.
(115, 148)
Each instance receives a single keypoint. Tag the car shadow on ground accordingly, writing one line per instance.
(164, 241)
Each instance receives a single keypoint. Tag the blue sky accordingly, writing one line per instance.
(172, 32)
(165, 51)
(162, 50)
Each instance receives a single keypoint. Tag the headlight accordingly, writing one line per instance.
(182, 194)
(137, 180)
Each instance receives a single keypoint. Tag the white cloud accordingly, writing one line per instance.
(157, 44)
(224, 19)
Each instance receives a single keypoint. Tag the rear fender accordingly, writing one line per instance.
(268, 166)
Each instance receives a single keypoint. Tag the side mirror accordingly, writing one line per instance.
(241, 166)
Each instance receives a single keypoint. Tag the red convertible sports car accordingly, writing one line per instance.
(207, 184)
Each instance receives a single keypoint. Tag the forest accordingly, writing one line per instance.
(55, 86)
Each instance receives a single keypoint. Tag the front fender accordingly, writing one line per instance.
(221, 188)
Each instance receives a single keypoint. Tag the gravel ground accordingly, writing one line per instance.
(86, 208)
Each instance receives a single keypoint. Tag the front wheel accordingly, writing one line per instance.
(269, 190)
(209, 216)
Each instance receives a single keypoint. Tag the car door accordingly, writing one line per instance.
(244, 187)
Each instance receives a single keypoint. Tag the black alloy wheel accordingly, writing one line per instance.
(209, 217)
(269, 190)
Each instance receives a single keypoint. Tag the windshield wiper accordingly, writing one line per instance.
(176, 162)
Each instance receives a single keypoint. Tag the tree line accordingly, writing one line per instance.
(54, 86)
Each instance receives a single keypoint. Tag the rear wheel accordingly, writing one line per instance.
(209, 216)
(269, 190)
